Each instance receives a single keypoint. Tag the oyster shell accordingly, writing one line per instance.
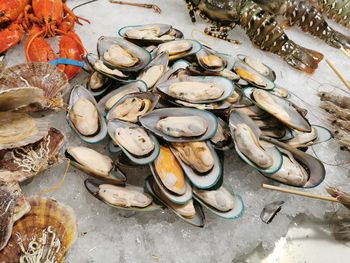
(40, 75)
(291, 172)
(183, 126)
(134, 140)
(220, 199)
(120, 57)
(51, 225)
(130, 109)
(84, 116)
(124, 196)
(249, 145)
(195, 91)
(170, 172)
(19, 129)
(196, 155)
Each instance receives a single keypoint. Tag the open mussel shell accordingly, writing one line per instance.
(98, 84)
(108, 101)
(210, 59)
(208, 180)
(312, 165)
(252, 76)
(234, 213)
(260, 67)
(155, 70)
(163, 33)
(276, 156)
(150, 121)
(141, 160)
(80, 92)
(318, 135)
(198, 219)
(178, 65)
(143, 56)
(95, 164)
(214, 107)
(187, 47)
(222, 139)
(92, 60)
(151, 97)
(226, 86)
(278, 107)
(20, 129)
(92, 185)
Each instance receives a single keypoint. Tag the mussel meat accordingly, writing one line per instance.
(220, 199)
(183, 126)
(120, 57)
(131, 109)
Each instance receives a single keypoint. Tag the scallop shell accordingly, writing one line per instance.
(23, 163)
(47, 217)
(19, 98)
(39, 75)
(20, 129)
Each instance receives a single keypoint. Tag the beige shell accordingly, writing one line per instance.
(19, 129)
(196, 155)
(152, 75)
(134, 140)
(183, 126)
(52, 81)
(21, 164)
(249, 145)
(175, 47)
(302, 138)
(19, 98)
(120, 57)
(221, 199)
(84, 115)
(131, 109)
(192, 91)
(124, 196)
(47, 218)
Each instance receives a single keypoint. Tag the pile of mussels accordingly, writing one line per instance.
(175, 105)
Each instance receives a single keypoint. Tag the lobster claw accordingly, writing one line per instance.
(71, 47)
(10, 37)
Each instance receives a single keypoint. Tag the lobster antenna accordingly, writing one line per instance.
(88, 2)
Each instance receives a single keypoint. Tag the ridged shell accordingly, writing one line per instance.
(45, 215)
(18, 98)
(23, 163)
(20, 129)
(36, 74)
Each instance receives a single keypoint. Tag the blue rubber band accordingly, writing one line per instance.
(67, 61)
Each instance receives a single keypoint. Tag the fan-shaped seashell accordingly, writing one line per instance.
(47, 220)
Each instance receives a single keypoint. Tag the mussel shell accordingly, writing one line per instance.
(142, 160)
(198, 220)
(297, 121)
(91, 59)
(154, 98)
(226, 84)
(205, 51)
(213, 107)
(271, 74)
(100, 91)
(275, 154)
(323, 135)
(228, 144)
(177, 199)
(208, 180)
(115, 176)
(268, 84)
(113, 148)
(235, 213)
(140, 85)
(144, 56)
(92, 185)
(312, 165)
(164, 29)
(150, 121)
(76, 93)
(180, 64)
(196, 46)
(270, 211)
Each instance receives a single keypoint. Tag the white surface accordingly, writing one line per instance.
(109, 235)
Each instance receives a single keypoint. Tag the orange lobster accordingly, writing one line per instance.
(41, 19)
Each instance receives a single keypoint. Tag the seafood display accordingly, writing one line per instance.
(258, 19)
(32, 18)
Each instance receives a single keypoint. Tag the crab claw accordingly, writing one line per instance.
(36, 48)
(10, 37)
(71, 47)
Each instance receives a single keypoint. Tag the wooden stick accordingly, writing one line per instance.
(149, 6)
(337, 72)
(300, 193)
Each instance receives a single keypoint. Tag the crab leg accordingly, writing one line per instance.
(148, 6)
